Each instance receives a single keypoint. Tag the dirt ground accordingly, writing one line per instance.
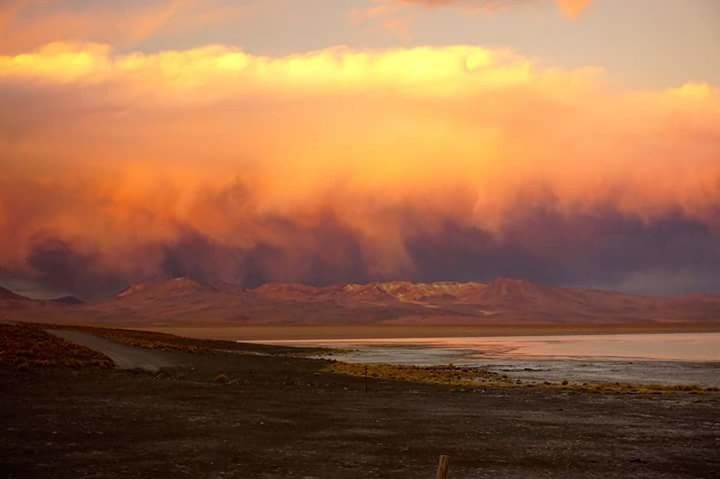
(251, 413)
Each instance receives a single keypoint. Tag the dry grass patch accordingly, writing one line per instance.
(449, 375)
(469, 378)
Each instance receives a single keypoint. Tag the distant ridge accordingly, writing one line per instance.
(505, 301)
(9, 295)
(175, 286)
(68, 300)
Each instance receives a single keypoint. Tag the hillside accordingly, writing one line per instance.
(183, 301)
(7, 295)
(503, 301)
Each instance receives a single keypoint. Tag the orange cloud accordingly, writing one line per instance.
(336, 160)
(572, 8)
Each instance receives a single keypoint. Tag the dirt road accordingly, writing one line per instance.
(124, 357)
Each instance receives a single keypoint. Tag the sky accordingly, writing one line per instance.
(569, 142)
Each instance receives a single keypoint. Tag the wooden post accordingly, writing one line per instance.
(365, 381)
(442, 470)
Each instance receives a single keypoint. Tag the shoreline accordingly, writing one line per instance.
(383, 332)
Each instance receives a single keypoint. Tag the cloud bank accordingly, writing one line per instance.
(350, 165)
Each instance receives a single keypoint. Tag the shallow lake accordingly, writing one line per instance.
(669, 358)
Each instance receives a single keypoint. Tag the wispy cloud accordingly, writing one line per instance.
(571, 8)
(27, 24)
(396, 16)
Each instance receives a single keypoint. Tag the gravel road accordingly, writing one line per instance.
(124, 357)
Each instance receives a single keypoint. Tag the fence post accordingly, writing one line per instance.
(442, 470)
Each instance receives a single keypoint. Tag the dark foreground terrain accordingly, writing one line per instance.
(228, 410)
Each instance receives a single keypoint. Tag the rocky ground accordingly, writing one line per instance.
(231, 410)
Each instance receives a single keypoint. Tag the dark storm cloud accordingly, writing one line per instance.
(541, 244)
(606, 249)
(325, 253)
(58, 264)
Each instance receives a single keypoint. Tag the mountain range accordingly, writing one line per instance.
(505, 301)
